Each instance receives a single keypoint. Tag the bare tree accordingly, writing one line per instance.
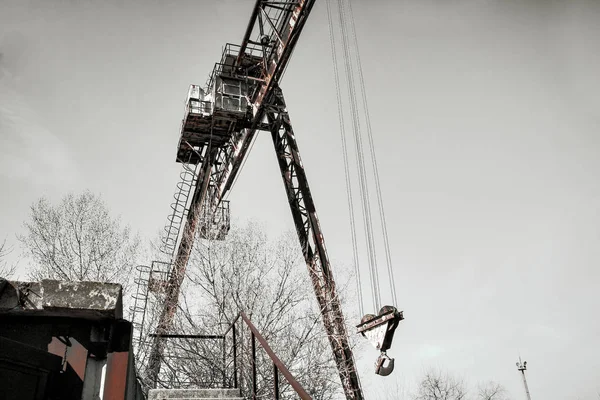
(268, 281)
(77, 239)
(6, 271)
(436, 385)
(393, 390)
(491, 391)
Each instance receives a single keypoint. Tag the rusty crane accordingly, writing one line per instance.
(242, 96)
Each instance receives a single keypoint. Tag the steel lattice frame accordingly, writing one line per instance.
(311, 240)
(273, 31)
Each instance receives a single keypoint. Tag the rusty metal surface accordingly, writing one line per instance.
(249, 30)
(81, 324)
(76, 353)
(276, 361)
(228, 161)
(177, 273)
(276, 34)
(382, 319)
(115, 381)
(312, 242)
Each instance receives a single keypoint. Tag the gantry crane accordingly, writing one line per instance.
(242, 97)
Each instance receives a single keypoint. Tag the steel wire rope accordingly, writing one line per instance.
(386, 242)
(345, 158)
(363, 185)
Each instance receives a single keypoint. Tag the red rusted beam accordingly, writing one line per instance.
(280, 366)
(249, 30)
(115, 383)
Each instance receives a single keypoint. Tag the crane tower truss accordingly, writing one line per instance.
(309, 232)
(241, 97)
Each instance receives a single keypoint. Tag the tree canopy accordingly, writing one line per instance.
(77, 239)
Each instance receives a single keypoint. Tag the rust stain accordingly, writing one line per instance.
(115, 382)
(76, 354)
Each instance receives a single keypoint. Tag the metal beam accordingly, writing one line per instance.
(182, 336)
(177, 272)
(221, 167)
(309, 232)
(249, 30)
(291, 25)
(278, 365)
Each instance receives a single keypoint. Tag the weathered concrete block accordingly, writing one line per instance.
(90, 300)
(103, 298)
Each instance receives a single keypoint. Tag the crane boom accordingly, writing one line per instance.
(268, 43)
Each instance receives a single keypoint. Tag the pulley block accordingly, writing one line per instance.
(379, 330)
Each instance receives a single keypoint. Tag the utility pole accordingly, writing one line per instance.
(522, 366)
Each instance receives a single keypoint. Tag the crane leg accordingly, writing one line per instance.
(311, 240)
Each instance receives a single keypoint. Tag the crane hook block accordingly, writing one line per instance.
(379, 330)
(384, 370)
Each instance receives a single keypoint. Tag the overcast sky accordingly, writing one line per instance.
(486, 116)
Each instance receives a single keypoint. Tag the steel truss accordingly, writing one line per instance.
(272, 34)
(309, 232)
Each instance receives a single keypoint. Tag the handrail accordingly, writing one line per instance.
(232, 324)
(278, 366)
(276, 361)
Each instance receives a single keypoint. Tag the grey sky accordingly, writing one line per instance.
(486, 117)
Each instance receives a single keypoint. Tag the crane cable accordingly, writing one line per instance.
(363, 185)
(370, 238)
(346, 163)
(386, 242)
(346, 14)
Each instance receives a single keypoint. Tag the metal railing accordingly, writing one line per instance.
(237, 366)
(228, 56)
(196, 106)
(193, 361)
(278, 366)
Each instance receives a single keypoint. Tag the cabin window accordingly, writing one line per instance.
(232, 89)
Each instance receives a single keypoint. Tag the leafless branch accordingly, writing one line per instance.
(437, 385)
(268, 281)
(77, 239)
(6, 271)
(491, 391)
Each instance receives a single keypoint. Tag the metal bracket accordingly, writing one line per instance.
(379, 329)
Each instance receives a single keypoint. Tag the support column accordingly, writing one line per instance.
(94, 370)
(311, 241)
